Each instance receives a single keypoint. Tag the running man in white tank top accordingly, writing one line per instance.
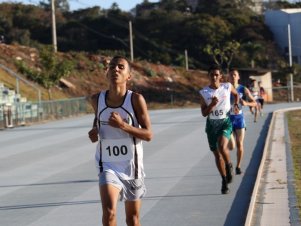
(254, 89)
(215, 105)
(121, 124)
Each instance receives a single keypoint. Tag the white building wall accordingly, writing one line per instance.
(277, 21)
(258, 6)
(295, 21)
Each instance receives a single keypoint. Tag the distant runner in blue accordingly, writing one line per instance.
(237, 118)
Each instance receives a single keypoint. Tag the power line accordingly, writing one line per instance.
(123, 42)
(80, 3)
(103, 35)
(140, 35)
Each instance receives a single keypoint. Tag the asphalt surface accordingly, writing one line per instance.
(48, 174)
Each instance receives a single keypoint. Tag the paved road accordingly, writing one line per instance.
(47, 174)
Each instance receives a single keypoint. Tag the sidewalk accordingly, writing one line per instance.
(272, 191)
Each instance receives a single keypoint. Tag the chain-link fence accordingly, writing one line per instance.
(286, 94)
(19, 114)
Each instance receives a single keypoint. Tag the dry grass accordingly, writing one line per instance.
(27, 91)
(294, 123)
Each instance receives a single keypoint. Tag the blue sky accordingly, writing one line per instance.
(125, 5)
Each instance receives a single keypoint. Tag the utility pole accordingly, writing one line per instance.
(290, 61)
(131, 41)
(54, 42)
(186, 60)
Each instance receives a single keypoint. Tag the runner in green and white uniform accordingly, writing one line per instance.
(215, 105)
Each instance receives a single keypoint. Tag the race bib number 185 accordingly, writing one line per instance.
(117, 150)
(217, 114)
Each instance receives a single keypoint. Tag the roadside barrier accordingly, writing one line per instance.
(21, 114)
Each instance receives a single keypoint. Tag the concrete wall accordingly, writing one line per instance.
(277, 21)
(266, 82)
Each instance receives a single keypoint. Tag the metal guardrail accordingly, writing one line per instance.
(20, 114)
(62, 108)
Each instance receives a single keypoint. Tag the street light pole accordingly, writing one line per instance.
(54, 41)
(186, 60)
(131, 41)
(290, 61)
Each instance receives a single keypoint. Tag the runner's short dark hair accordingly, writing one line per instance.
(214, 67)
(233, 69)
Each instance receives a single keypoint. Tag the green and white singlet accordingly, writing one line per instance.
(223, 92)
(218, 121)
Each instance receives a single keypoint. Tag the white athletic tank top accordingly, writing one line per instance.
(254, 92)
(117, 151)
(221, 110)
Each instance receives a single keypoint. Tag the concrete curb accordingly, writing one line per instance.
(270, 137)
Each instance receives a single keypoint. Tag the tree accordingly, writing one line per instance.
(161, 30)
(252, 49)
(62, 5)
(223, 55)
(170, 5)
(52, 69)
(115, 7)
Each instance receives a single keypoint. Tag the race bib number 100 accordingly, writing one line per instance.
(117, 150)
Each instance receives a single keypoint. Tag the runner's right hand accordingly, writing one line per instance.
(93, 134)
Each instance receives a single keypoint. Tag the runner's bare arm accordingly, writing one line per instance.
(93, 133)
(251, 101)
(207, 109)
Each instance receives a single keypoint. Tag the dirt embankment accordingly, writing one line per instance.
(160, 84)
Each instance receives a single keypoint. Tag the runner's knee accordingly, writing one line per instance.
(109, 215)
(132, 220)
(239, 144)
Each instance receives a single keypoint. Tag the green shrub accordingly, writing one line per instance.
(149, 72)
